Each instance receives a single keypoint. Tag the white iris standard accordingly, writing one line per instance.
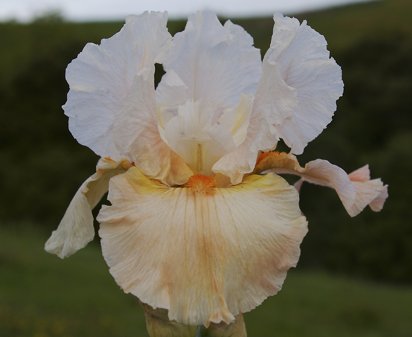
(200, 223)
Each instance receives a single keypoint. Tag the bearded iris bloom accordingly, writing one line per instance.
(200, 222)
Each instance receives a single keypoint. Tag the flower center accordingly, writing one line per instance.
(200, 183)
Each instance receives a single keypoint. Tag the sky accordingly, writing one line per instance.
(80, 10)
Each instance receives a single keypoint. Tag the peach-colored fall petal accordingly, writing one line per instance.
(356, 190)
(205, 254)
(76, 229)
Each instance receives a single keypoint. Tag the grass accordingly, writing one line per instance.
(43, 296)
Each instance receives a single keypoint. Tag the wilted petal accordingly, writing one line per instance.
(300, 84)
(206, 255)
(76, 229)
(356, 190)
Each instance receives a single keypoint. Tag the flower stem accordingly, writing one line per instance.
(199, 331)
(235, 329)
(159, 325)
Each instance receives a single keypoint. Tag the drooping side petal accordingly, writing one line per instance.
(301, 84)
(356, 190)
(76, 229)
(111, 102)
(210, 64)
(206, 255)
(361, 178)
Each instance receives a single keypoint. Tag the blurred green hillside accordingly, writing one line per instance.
(42, 296)
(42, 165)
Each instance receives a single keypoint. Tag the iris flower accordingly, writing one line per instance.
(199, 222)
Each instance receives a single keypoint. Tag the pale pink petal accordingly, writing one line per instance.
(301, 84)
(355, 191)
(355, 195)
(377, 204)
(204, 253)
(362, 175)
(76, 229)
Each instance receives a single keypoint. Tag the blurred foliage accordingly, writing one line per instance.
(42, 165)
(372, 125)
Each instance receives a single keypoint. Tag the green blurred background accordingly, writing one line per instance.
(355, 274)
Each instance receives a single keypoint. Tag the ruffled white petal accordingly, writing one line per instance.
(76, 229)
(208, 69)
(205, 255)
(295, 99)
(210, 64)
(111, 85)
(274, 98)
(300, 85)
(356, 190)
(111, 103)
